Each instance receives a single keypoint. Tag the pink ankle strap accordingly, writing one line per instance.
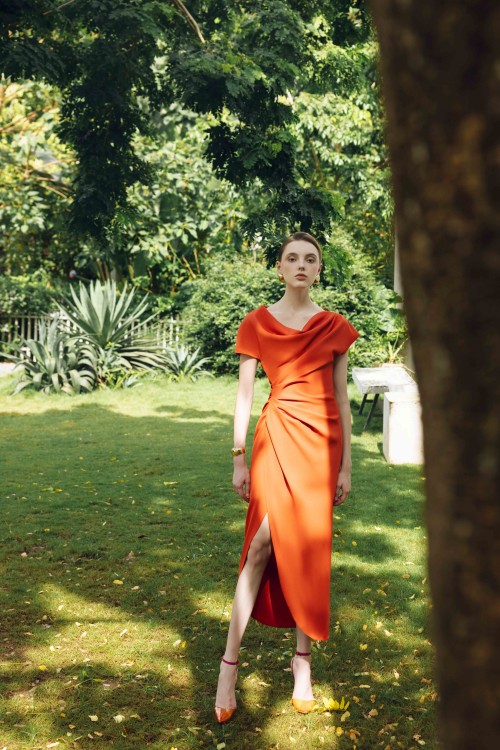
(302, 653)
(231, 663)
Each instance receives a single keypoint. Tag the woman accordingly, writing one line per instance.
(301, 467)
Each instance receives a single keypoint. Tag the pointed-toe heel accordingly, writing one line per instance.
(300, 705)
(222, 715)
(303, 707)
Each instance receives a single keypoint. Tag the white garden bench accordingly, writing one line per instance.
(377, 380)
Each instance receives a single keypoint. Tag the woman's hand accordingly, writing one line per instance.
(241, 478)
(343, 487)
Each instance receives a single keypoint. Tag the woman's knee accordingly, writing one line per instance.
(259, 552)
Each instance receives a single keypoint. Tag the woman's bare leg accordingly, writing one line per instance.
(302, 668)
(245, 595)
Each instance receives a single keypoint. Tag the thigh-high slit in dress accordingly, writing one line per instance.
(296, 455)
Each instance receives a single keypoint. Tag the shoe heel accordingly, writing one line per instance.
(223, 715)
(301, 706)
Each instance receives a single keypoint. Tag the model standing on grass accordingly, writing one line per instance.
(300, 469)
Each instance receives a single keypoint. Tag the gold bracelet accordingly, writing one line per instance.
(237, 451)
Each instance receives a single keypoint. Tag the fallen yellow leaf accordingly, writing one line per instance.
(118, 718)
(363, 646)
(117, 582)
(42, 667)
(94, 717)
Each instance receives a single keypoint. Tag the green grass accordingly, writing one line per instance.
(135, 487)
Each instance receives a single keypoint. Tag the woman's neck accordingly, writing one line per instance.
(296, 300)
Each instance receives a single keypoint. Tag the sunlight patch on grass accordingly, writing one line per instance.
(135, 486)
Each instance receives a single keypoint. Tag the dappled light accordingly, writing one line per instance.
(121, 537)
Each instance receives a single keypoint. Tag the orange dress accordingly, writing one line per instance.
(296, 456)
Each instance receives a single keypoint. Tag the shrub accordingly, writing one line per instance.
(371, 308)
(219, 301)
(27, 295)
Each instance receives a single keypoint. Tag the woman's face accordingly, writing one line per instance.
(299, 264)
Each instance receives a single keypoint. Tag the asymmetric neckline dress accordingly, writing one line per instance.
(296, 454)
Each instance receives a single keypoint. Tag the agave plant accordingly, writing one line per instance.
(108, 321)
(183, 363)
(54, 363)
(112, 369)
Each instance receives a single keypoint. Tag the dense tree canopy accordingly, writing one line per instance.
(246, 68)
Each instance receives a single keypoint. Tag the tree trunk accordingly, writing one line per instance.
(441, 82)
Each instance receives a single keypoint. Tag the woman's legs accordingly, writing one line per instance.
(302, 667)
(245, 595)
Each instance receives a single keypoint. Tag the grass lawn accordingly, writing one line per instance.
(120, 541)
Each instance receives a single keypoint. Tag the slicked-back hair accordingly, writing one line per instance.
(306, 237)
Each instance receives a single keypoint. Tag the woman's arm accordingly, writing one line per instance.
(341, 395)
(244, 400)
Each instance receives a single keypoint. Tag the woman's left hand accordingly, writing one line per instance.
(343, 487)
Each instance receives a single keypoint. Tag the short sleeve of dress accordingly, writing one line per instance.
(345, 335)
(247, 340)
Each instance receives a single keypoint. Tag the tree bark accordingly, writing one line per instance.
(440, 67)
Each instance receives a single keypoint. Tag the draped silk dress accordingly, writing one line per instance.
(296, 455)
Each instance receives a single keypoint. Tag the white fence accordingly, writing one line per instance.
(166, 331)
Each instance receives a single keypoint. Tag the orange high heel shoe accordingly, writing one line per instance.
(301, 706)
(224, 714)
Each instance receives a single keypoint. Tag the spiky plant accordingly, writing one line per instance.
(183, 363)
(54, 363)
(108, 320)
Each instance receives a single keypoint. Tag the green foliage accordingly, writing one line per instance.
(108, 322)
(182, 148)
(182, 363)
(27, 295)
(186, 215)
(218, 303)
(340, 144)
(370, 307)
(110, 58)
(111, 368)
(54, 363)
(221, 299)
(35, 170)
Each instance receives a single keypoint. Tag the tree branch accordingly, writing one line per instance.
(53, 10)
(189, 18)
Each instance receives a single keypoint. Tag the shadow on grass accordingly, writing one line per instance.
(94, 497)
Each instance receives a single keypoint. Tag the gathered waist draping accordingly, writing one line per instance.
(308, 395)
